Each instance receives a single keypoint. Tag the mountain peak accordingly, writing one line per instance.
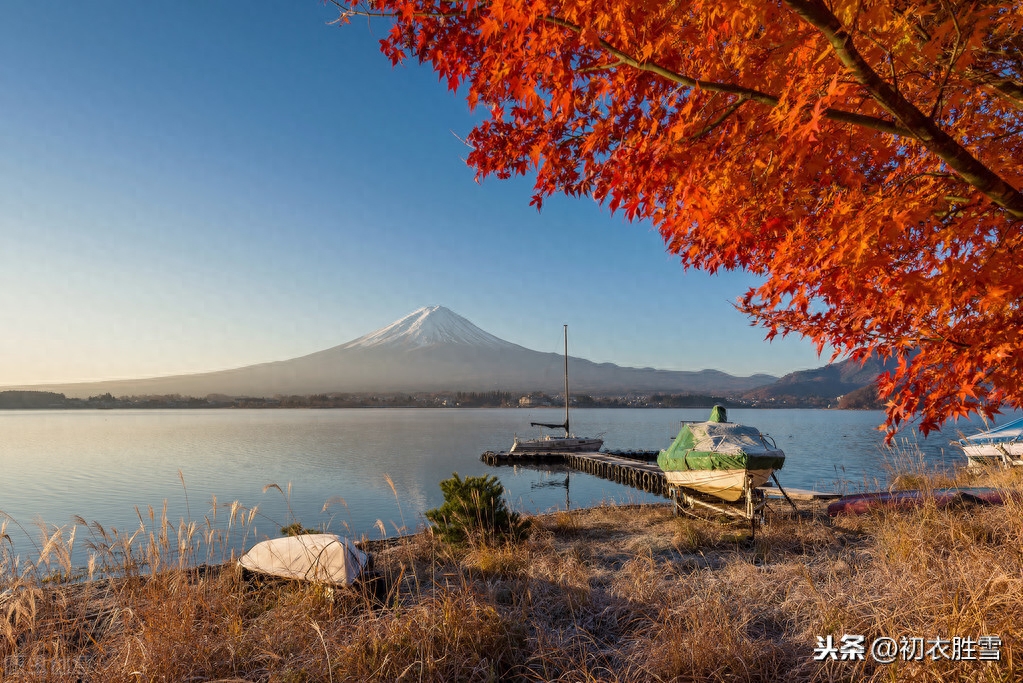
(429, 350)
(427, 326)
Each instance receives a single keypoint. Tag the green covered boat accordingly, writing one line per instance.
(720, 458)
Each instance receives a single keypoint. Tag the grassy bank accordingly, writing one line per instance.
(607, 593)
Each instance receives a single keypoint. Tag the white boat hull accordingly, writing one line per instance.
(321, 558)
(998, 446)
(724, 484)
(556, 444)
(985, 455)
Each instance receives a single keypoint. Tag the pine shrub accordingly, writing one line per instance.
(474, 507)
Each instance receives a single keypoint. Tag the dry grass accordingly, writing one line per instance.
(607, 593)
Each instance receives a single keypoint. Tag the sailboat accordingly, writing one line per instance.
(557, 444)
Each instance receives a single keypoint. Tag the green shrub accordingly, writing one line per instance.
(296, 529)
(473, 507)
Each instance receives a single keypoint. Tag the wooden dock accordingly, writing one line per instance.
(534, 458)
(639, 474)
(637, 469)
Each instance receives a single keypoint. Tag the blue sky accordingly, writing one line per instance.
(201, 185)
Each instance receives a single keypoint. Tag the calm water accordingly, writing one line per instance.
(100, 465)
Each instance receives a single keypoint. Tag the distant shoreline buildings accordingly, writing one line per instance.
(46, 400)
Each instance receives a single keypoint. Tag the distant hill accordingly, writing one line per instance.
(432, 349)
(827, 382)
(864, 398)
(30, 399)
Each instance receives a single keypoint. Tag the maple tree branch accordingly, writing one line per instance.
(1006, 134)
(924, 174)
(940, 339)
(1005, 88)
(347, 11)
(956, 53)
(1010, 90)
(872, 122)
(599, 67)
(923, 128)
(729, 88)
(729, 110)
(673, 76)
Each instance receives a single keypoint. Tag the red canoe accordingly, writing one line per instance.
(862, 503)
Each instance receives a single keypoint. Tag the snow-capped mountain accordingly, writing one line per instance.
(431, 349)
(428, 326)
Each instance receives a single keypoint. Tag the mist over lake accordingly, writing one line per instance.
(101, 465)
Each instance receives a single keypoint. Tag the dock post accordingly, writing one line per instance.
(751, 511)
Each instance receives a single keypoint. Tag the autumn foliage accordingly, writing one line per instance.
(865, 158)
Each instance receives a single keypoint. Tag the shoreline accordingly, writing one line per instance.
(43, 400)
(617, 593)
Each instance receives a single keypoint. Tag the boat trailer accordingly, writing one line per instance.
(751, 506)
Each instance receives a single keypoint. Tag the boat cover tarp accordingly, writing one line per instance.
(323, 558)
(1007, 433)
(719, 445)
(863, 503)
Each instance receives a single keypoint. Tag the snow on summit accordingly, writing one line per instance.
(429, 350)
(428, 326)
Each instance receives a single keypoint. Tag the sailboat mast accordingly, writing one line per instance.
(566, 380)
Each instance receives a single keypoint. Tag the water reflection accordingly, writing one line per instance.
(102, 464)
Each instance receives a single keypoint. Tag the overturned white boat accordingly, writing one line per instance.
(999, 446)
(321, 558)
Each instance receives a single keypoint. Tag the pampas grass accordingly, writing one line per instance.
(603, 594)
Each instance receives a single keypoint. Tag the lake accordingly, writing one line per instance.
(341, 464)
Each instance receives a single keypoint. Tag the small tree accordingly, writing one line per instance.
(473, 505)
